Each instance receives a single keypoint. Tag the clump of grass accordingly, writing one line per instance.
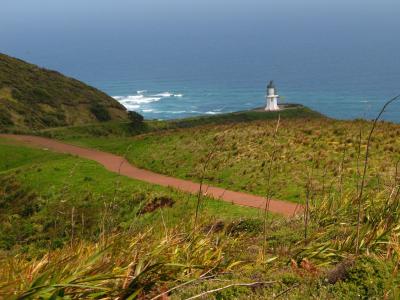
(359, 224)
(129, 266)
(156, 203)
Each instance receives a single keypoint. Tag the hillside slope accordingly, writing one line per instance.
(36, 98)
(242, 151)
(71, 229)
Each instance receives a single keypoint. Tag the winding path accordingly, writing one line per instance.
(118, 164)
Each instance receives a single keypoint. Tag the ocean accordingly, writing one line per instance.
(342, 62)
(339, 85)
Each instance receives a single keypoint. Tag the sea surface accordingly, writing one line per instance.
(180, 60)
(344, 87)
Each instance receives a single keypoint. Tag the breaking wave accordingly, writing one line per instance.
(212, 112)
(134, 102)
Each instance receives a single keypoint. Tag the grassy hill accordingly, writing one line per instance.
(128, 129)
(69, 228)
(116, 237)
(35, 98)
(306, 148)
(57, 183)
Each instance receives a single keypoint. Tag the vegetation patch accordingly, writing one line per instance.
(156, 203)
(249, 226)
(340, 272)
(17, 205)
(27, 92)
(325, 162)
(100, 112)
(343, 245)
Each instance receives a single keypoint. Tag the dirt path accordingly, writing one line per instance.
(118, 164)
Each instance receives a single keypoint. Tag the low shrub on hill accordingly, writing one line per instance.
(100, 112)
(135, 118)
(5, 119)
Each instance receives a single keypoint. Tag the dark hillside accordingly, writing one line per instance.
(35, 98)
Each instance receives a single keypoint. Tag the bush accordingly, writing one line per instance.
(100, 112)
(40, 95)
(245, 226)
(5, 118)
(54, 119)
(135, 117)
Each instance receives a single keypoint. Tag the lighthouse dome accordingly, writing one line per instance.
(271, 85)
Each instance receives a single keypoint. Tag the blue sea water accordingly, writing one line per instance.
(175, 59)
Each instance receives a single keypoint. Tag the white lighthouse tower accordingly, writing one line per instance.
(272, 97)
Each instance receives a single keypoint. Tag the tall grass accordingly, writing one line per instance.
(360, 196)
(370, 226)
(271, 163)
(130, 266)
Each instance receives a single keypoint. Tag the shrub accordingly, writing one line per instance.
(53, 119)
(135, 117)
(100, 112)
(5, 118)
(245, 226)
(40, 95)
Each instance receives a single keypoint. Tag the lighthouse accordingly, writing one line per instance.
(272, 97)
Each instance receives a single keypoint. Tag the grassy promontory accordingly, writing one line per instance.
(35, 98)
(127, 129)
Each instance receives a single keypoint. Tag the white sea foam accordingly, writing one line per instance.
(164, 95)
(136, 99)
(212, 112)
(168, 94)
(134, 102)
(169, 111)
(131, 107)
(184, 112)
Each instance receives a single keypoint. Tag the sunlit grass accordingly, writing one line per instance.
(317, 160)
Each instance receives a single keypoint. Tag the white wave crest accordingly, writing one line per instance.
(164, 95)
(131, 107)
(212, 112)
(136, 99)
(134, 102)
(168, 95)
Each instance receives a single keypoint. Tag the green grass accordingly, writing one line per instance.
(312, 152)
(125, 129)
(85, 218)
(181, 154)
(12, 156)
(64, 185)
(72, 208)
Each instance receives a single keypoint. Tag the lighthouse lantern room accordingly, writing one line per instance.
(272, 97)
